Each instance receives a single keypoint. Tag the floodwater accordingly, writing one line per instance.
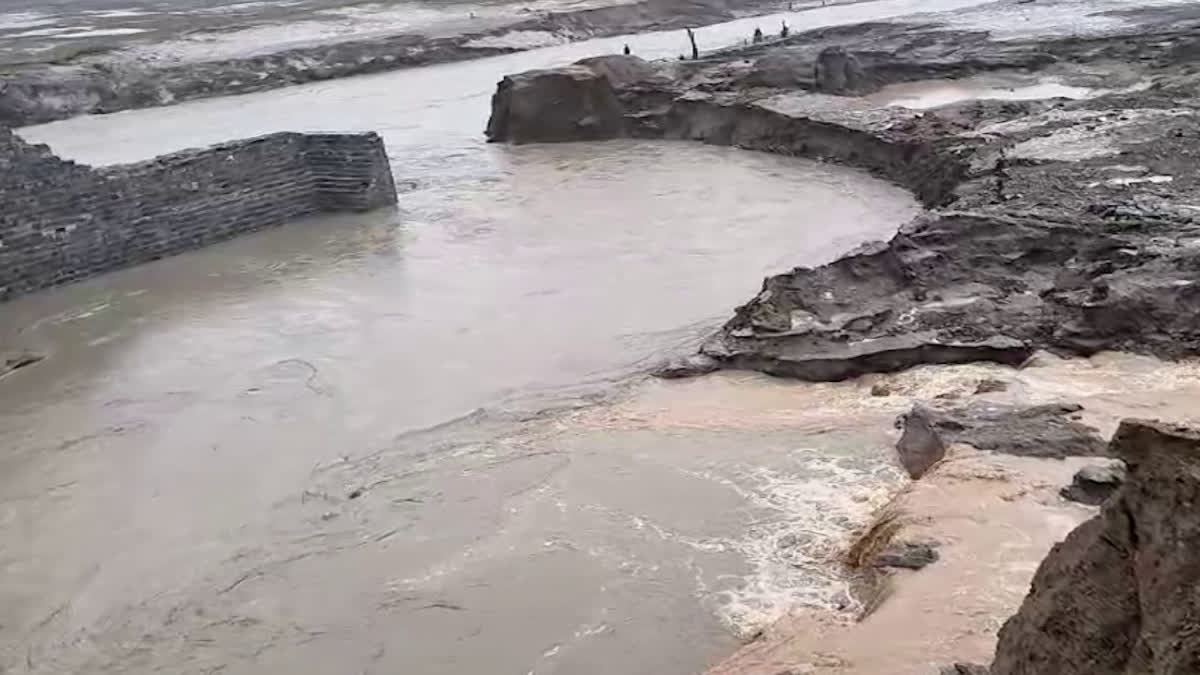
(216, 466)
(343, 446)
(363, 444)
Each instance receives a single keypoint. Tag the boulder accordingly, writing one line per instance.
(1119, 596)
(1093, 485)
(1030, 431)
(573, 103)
(837, 71)
(1048, 430)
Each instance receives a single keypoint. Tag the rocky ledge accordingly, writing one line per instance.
(1070, 225)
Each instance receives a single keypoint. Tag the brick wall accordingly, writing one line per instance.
(61, 221)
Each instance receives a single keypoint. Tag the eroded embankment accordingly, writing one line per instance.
(1057, 224)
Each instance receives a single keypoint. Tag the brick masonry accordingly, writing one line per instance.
(61, 221)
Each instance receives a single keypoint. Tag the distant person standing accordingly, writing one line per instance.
(627, 52)
(783, 32)
(758, 35)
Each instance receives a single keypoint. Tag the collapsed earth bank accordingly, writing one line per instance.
(1062, 224)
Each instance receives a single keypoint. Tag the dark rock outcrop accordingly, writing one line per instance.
(573, 103)
(1029, 431)
(1121, 595)
(906, 555)
(1093, 485)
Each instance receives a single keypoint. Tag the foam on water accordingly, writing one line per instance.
(17, 20)
(810, 515)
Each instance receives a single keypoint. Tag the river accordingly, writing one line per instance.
(377, 444)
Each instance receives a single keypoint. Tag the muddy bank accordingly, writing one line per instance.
(98, 79)
(1060, 224)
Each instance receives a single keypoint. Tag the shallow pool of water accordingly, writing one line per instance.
(927, 94)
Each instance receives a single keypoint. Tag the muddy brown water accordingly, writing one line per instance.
(352, 445)
(216, 464)
(219, 466)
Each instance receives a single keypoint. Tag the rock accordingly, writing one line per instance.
(1094, 484)
(837, 71)
(1118, 596)
(1029, 431)
(964, 669)
(573, 103)
(988, 385)
(688, 366)
(908, 555)
(920, 445)
(881, 389)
